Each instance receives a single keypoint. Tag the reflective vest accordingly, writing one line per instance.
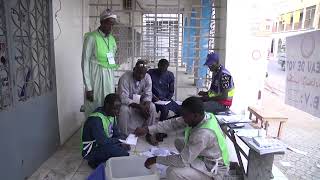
(212, 124)
(216, 87)
(107, 123)
(103, 47)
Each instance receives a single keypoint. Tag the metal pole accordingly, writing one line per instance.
(132, 34)
(155, 31)
(177, 64)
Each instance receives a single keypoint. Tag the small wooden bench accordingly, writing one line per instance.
(266, 116)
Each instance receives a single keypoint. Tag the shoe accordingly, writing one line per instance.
(161, 136)
(92, 164)
(151, 140)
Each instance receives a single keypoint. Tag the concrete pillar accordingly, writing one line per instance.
(221, 29)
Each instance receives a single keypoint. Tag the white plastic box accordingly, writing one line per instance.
(129, 168)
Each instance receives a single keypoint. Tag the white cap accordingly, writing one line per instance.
(107, 14)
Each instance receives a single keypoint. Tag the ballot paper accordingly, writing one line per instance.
(158, 168)
(162, 102)
(179, 103)
(131, 140)
(136, 98)
(247, 132)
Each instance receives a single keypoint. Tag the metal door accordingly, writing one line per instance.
(28, 104)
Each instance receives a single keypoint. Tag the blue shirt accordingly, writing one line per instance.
(93, 130)
(162, 84)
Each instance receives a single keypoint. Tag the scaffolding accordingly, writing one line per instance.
(156, 29)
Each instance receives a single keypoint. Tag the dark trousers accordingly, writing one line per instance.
(214, 107)
(101, 154)
(164, 109)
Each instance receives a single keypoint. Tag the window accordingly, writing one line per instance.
(34, 72)
(310, 12)
(297, 19)
(5, 92)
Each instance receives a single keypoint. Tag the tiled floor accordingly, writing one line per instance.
(67, 163)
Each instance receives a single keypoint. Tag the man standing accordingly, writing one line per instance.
(100, 134)
(98, 62)
(203, 153)
(136, 110)
(220, 95)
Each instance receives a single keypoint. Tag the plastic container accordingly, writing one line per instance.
(129, 168)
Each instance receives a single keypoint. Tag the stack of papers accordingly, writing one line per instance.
(263, 142)
(232, 118)
(162, 102)
(250, 133)
(267, 146)
(131, 140)
(159, 168)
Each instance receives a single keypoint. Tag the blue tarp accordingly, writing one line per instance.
(98, 173)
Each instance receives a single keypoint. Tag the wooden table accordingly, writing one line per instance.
(265, 116)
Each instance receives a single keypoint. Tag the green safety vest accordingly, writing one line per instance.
(107, 123)
(103, 47)
(230, 93)
(212, 124)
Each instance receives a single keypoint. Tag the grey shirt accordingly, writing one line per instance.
(128, 86)
(202, 142)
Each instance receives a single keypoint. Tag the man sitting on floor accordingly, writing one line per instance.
(203, 152)
(136, 110)
(100, 134)
(163, 90)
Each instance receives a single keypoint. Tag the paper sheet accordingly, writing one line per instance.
(285, 164)
(131, 140)
(247, 132)
(136, 98)
(162, 102)
(179, 103)
(297, 150)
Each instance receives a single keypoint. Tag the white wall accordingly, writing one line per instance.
(73, 20)
(248, 73)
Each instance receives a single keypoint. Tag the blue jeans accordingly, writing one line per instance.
(101, 154)
(164, 109)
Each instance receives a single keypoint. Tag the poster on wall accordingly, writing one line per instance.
(303, 72)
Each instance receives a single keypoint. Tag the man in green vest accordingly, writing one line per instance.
(203, 151)
(98, 63)
(100, 133)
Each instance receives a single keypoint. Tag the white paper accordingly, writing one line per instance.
(158, 168)
(247, 132)
(136, 98)
(179, 103)
(297, 150)
(162, 102)
(285, 164)
(131, 140)
(110, 58)
(235, 118)
(318, 165)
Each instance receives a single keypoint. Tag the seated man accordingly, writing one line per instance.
(136, 113)
(163, 89)
(203, 152)
(100, 134)
(219, 97)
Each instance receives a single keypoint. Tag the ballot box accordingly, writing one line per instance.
(129, 168)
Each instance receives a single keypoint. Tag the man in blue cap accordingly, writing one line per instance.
(219, 97)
